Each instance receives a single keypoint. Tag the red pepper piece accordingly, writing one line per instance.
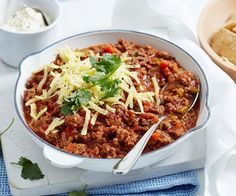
(109, 49)
(163, 65)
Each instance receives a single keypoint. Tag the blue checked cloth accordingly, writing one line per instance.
(181, 184)
(4, 188)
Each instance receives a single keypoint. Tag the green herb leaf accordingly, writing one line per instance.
(78, 193)
(66, 108)
(106, 64)
(110, 88)
(94, 79)
(86, 78)
(73, 103)
(82, 97)
(29, 170)
(93, 60)
(22, 161)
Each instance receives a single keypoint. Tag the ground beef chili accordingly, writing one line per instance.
(114, 134)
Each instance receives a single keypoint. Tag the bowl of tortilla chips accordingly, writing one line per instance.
(217, 34)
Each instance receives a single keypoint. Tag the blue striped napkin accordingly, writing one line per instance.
(181, 184)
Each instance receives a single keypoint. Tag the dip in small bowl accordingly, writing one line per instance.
(25, 20)
(22, 30)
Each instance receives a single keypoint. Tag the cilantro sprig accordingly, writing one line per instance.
(29, 170)
(105, 67)
(108, 64)
(110, 88)
(73, 103)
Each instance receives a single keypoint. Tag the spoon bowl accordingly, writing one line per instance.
(43, 15)
(36, 10)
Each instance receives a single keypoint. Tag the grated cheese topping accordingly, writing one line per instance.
(111, 109)
(55, 123)
(33, 111)
(70, 78)
(157, 90)
(87, 119)
(129, 100)
(94, 118)
(97, 108)
(45, 75)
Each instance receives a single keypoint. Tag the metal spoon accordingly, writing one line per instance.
(127, 163)
(36, 10)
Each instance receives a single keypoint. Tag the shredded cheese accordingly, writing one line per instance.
(43, 96)
(140, 105)
(33, 112)
(55, 123)
(129, 81)
(41, 112)
(129, 100)
(157, 90)
(97, 108)
(112, 99)
(147, 96)
(29, 102)
(86, 123)
(68, 55)
(124, 57)
(70, 78)
(124, 87)
(53, 66)
(134, 75)
(37, 98)
(133, 66)
(96, 91)
(91, 53)
(119, 103)
(94, 118)
(109, 108)
(45, 75)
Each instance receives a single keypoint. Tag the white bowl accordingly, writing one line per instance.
(63, 159)
(212, 19)
(14, 46)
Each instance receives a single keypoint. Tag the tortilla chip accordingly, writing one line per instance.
(224, 43)
(231, 27)
(232, 19)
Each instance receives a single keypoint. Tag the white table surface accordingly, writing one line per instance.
(83, 15)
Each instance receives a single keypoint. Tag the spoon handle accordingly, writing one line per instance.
(126, 164)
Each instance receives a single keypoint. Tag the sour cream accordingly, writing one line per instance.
(25, 20)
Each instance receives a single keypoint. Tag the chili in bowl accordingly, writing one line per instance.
(93, 102)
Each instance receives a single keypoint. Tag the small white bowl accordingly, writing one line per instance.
(14, 46)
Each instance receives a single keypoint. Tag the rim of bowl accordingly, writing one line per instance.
(206, 105)
(51, 25)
